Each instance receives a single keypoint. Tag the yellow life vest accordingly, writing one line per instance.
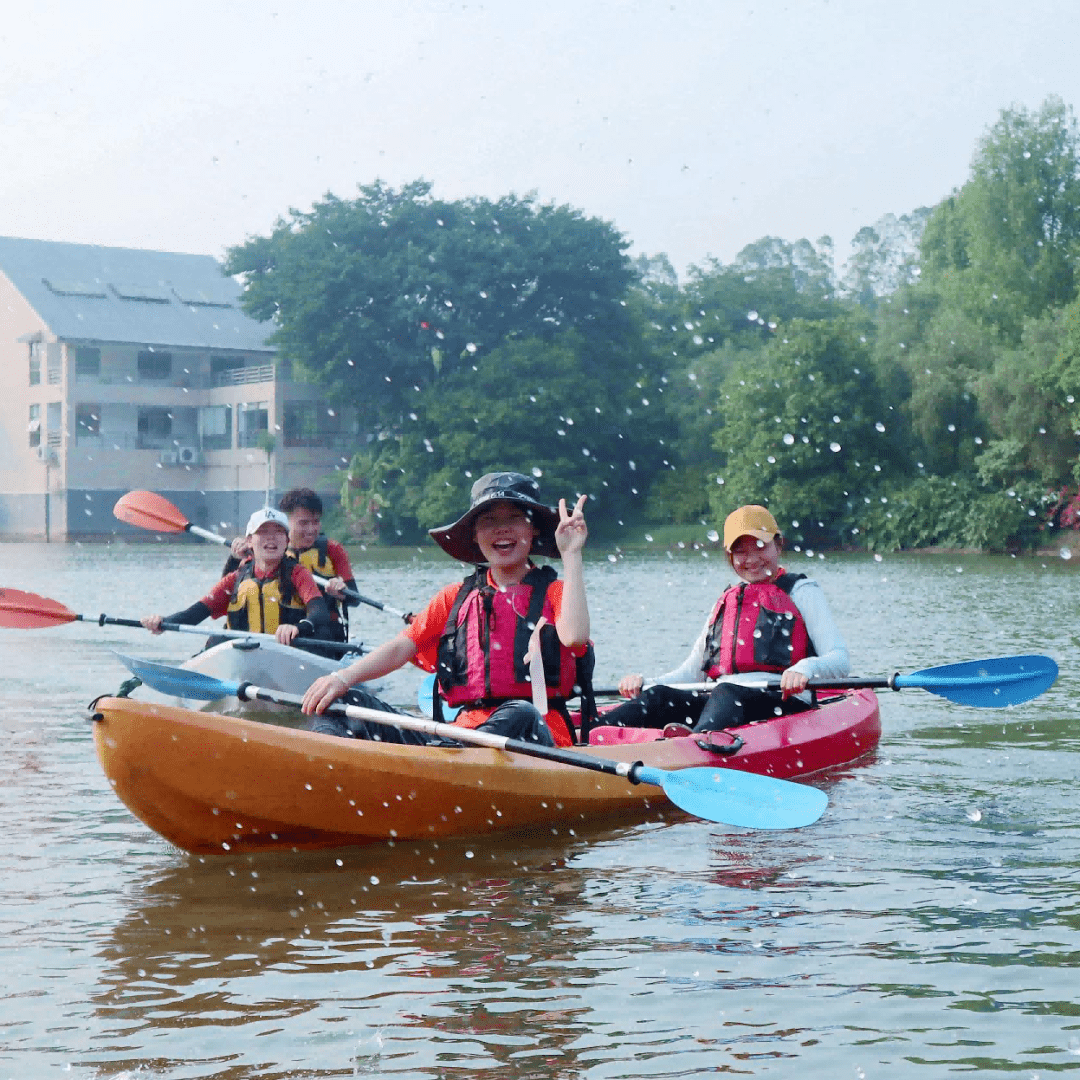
(262, 605)
(318, 561)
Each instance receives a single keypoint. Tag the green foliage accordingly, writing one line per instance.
(884, 257)
(680, 493)
(547, 408)
(770, 281)
(1004, 247)
(1026, 398)
(945, 365)
(805, 429)
(365, 508)
(388, 292)
(958, 513)
(475, 334)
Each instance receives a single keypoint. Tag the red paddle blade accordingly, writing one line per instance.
(147, 510)
(27, 611)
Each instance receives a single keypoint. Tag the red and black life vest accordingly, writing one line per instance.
(756, 626)
(261, 605)
(482, 650)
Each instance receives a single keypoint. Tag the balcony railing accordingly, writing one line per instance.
(260, 373)
(239, 376)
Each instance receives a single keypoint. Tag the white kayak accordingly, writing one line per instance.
(258, 661)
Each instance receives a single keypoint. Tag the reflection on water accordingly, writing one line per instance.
(928, 924)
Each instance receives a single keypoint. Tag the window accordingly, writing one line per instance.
(37, 348)
(154, 365)
(35, 425)
(87, 421)
(308, 423)
(222, 366)
(215, 427)
(254, 419)
(87, 361)
(155, 427)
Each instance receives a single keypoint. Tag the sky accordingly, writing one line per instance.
(695, 127)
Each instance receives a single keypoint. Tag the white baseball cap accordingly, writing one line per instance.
(266, 516)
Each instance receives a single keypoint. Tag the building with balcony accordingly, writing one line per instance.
(126, 369)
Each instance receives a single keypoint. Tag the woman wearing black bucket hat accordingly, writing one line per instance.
(475, 634)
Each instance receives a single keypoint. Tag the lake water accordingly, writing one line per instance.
(928, 925)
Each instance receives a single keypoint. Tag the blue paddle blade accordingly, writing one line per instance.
(744, 799)
(425, 700)
(988, 684)
(179, 682)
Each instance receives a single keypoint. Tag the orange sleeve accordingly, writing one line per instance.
(426, 629)
(554, 594)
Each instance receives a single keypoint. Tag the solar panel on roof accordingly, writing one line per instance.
(154, 294)
(203, 297)
(63, 287)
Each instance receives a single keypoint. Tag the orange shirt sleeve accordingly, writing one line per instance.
(426, 629)
(555, 596)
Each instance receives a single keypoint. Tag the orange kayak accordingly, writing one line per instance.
(213, 783)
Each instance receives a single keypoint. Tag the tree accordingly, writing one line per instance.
(576, 422)
(381, 296)
(885, 257)
(806, 430)
(1029, 399)
(770, 281)
(947, 361)
(1004, 247)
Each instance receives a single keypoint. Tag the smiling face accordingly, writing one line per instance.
(504, 533)
(755, 560)
(304, 527)
(268, 544)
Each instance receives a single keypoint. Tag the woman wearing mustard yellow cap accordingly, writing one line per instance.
(772, 621)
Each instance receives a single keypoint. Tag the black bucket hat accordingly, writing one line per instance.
(458, 540)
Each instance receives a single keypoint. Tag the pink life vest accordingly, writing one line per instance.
(481, 657)
(756, 626)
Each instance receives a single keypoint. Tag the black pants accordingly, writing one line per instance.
(512, 720)
(727, 705)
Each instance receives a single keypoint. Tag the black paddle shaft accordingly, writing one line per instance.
(246, 691)
(300, 643)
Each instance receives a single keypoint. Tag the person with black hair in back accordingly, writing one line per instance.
(268, 593)
(315, 551)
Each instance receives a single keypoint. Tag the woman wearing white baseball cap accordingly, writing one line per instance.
(271, 593)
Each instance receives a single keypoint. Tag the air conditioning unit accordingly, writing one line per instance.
(47, 454)
(189, 455)
(169, 457)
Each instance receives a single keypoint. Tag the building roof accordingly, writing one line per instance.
(87, 293)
